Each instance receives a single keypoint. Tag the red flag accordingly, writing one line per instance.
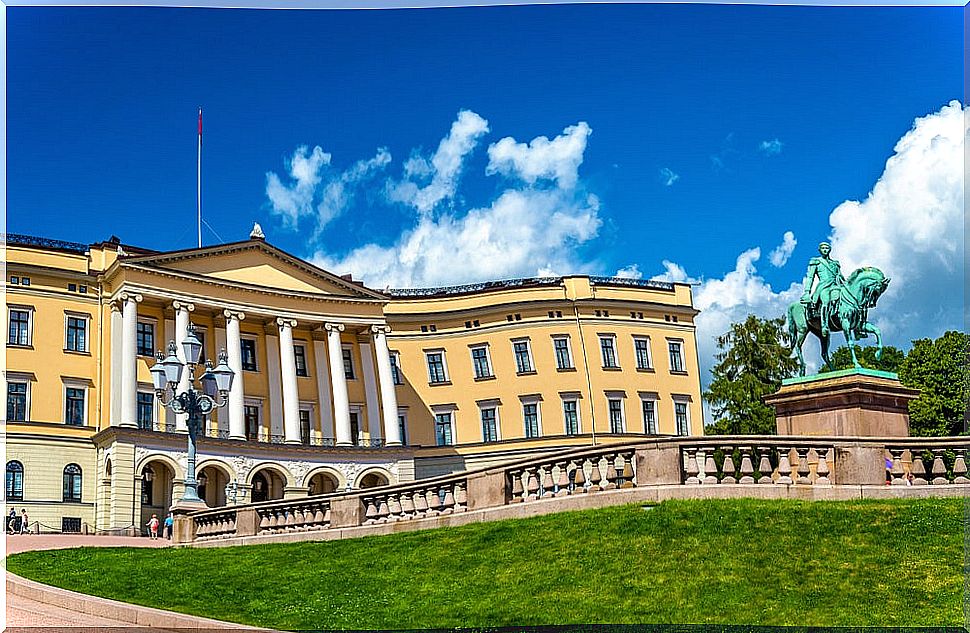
(200, 121)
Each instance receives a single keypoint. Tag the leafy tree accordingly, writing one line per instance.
(892, 358)
(938, 368)
(753, 358)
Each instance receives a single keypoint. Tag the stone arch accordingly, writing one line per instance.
(268, 481)
(372, 477)
(155, 477)
(316, 480)
(214, 475)
(161, 457)
(282, 471)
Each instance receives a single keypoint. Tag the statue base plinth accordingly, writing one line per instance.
(849, 402)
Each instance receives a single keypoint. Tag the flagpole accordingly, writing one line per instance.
(199, 180)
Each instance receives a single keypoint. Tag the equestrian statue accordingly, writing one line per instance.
(836, 304)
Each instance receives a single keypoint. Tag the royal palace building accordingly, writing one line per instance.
(338, 386)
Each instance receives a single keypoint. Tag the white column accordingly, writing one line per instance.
(370, 391)
(117, 365)
(129, 360)
(291, 396)
(182, 311)
(169, 336)
(237, 419)
(392, 432)
(338, 383)
(323, 388)
(220, 416)
(273, 374)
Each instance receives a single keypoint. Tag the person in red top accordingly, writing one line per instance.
(153, 527)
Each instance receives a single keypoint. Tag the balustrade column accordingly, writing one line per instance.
(291, 396)
(182, 311)
(237, 416)
(338, 383)
(392, 431)
(129, 360)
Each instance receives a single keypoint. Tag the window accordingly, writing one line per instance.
(616, 415)
(251, 416)
(72, 287)
(676, 357)
(355, 427)
(523, 357)
(248, 353)
(25, 281)
(649, 416)
(564, 356)
(442, 429)
(74, 406)
(396, 369)
(480, 362)
(299, 354)
(146, 410)
(15, 481)
(608, 351)
(570, 416)
(530, 416)
(305, 427)
(436, 367)
(77, 334)
(348, 357)
(402, 424)
(14, 280)
(489, 424)
(145, 338)
(16, 401)
(680, 417)
(641, 345)
(72, 483)
(19, 333)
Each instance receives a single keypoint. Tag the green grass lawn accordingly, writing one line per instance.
(859, 563)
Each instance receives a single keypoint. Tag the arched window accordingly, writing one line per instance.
(72, 483)
(15, 481)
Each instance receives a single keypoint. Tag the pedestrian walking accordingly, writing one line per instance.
(23, 521)
(153, 527)
(169, 522)
(889, 471)
(12, 521)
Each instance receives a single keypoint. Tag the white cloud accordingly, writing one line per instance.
(668, 177)
(629, 272)
(779, 256)
(541, 159)
(339, 192)
(772, 147)
(295, 200)
(444, 168)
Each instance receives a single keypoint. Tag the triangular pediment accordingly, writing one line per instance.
(254, 263)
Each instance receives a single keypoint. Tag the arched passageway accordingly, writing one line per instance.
(322, 483)
(372, 480)
(267, 485)
(157, 478)
(212, 486)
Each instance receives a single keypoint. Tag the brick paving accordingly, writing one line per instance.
(23, 612)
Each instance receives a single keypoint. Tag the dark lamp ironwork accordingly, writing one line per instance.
(223, 374)
(192, 347)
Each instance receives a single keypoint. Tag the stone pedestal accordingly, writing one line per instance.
(183, 526)
(850, 402)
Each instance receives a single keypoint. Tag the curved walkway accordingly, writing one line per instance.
(31, 604)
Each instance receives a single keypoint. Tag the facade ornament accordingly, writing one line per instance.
(183, 305)
(257, 232)
(233, 314)
(282, 323)
(125, 296)
(835, 304)
(381, 329)
(241, 465)
(300, 470)
(330, 327)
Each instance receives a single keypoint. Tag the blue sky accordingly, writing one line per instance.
(679, 133)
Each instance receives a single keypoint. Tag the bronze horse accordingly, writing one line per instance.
(855, 296)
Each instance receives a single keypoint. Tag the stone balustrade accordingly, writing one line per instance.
(835, 467)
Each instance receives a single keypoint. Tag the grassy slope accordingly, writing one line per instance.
(737, 561)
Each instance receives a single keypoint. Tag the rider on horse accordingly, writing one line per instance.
(830, 281)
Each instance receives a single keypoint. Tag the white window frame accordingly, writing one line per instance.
(18, 377)
(348, 347)
(444, 366)
(684, 400)
(647, 396)
(569, 352)
(87, 331)
(621, 397)
(573, 397)
(488, 361)
(255, 340)
(306, 358)
(535, 399)
(683, 365)
(84, 386)
(450, 410)
(30, 325)
(494, 403)
(636, 356)
(616, 352)
(528, 351)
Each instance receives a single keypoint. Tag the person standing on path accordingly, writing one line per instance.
(153, 527)
(11, 521)
(169, 522)
(23, 521)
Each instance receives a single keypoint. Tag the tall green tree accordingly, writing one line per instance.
(892, 358)
(938, 368)
(753, 358)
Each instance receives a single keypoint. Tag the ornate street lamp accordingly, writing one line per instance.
(215, 382)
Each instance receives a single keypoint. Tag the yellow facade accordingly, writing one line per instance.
(483, 373)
